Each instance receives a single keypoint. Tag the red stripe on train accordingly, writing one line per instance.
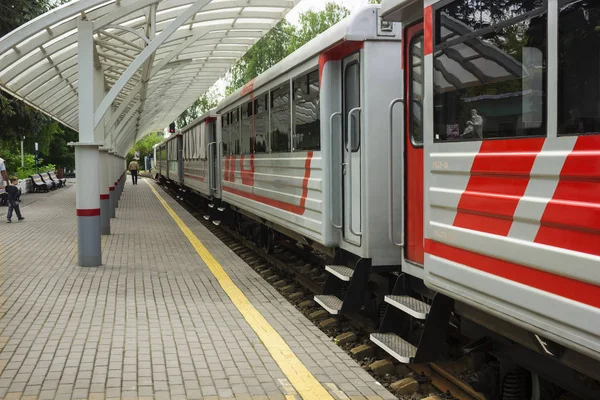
(296, 209)
(571, 219)
(499, 177)
(428, 30)
(582, 292)
(337, 52)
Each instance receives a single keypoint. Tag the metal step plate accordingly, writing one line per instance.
(221, 209)
(211, 205)
(395, 346)
(409, 305)
(332, 304)
(217, 223)
(341, 271)
(206, 217)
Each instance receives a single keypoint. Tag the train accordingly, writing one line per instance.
(444, 157)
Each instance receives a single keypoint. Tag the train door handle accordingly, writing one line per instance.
(344, 168)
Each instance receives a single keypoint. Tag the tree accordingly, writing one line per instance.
(145, 145)
(313, 23)
(207, 101)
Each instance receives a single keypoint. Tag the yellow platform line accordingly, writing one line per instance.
(300, 377)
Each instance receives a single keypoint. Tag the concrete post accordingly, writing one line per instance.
(104, 192)
(113, 184)
(87, 156)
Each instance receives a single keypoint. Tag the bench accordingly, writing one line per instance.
(39, 184)
(59, 182)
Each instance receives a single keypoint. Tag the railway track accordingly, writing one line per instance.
(298, 277)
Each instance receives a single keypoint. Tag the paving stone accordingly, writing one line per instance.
(152, 322)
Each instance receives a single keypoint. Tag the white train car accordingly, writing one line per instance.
(287, 156)
(199, 155)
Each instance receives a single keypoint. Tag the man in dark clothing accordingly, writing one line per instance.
(13, 200)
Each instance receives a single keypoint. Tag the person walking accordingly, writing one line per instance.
(133, 168)
(13, 200)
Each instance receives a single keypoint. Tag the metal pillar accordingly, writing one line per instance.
(87, 156)
(113, 186)
(104, 192)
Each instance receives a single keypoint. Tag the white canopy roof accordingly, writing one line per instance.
(191, 43)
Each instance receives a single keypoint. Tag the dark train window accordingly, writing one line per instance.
(416, 90)
(280, 119)
(307, 121)
(234, 131)
(466, 16)
(261, 123)
(491, 83)
(226, 136)
(578, 69)
(351, 101)
(246, 145)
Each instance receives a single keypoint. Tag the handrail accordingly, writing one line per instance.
(391, 175)
(331, 219)
(350, 147)
(211, 166)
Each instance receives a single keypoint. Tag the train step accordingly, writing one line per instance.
(211, 205)
(410, 305)
(332, 304)
(217, 223)
(395, 346)
(433, 335)
(341, 271)
(221, 209)
(206, 217)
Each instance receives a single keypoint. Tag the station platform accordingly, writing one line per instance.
(172, 313)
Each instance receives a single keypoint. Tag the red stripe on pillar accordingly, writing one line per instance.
(94, 212)
(104, 196)
(112, 189)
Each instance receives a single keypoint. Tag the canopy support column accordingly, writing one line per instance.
(87, 155)
(114, 184)
(105, 183)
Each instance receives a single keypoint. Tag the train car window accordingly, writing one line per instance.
(416, 90)
(235, 132)
(307, 116)
(246, 145)
(225, 135)
(352, 100)
(465, 16)
(261, 123)
(491, 83)
(578, 71)
(280, 119)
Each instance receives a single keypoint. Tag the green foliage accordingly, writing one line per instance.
(281, 41)
(207, 101)
(13, 164)
(19, 120)
(144, 146)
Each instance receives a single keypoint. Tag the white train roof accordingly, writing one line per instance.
(200, 41)
(359, 26)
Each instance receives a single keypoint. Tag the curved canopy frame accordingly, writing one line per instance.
(151, 59)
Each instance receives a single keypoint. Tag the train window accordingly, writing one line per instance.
(416, 91)
(491, 83)
(234, 132)
(280, 119)
(246, 145)
(352, 100)
(465, 16)
(225, 135)
(578, 72)
(307, 123)
(261, 123)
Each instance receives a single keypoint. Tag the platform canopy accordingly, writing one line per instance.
(155, 57)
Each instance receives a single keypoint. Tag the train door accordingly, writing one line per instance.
(414, 70)
(351, 163)
(211, 140)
